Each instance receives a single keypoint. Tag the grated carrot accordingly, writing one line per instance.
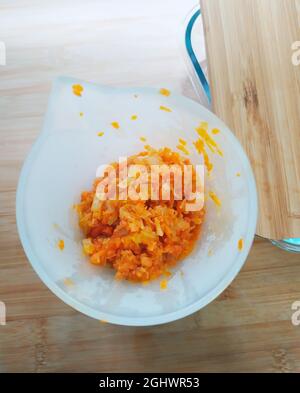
(164, 108)
(115, 125)
(215, 131)
(68, 282)
(214, 197)
(140, 239)
(199, 145)
(163, 285)
(61, 244)
(183, 149)
(77, 90)
(240, 244)
(165, 92)
(211, 144)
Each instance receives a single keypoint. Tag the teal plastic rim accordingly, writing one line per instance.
(292, 245)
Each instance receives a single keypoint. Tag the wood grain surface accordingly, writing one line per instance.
(256, 91)
(248, 328)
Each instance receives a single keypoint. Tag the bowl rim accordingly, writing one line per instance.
(225, 281)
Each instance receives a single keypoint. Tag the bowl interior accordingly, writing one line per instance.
(63, 163)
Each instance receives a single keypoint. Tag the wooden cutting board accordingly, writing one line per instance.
(256, 91)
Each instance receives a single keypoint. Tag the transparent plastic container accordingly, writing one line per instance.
(193, 48)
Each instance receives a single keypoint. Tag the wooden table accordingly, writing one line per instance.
(248, 328)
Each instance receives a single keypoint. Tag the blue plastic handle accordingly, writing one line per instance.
(190, 50)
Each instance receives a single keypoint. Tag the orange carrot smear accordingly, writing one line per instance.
(68, 282)
(207, 162)
(61, 244)
(163, 285)
(164, 108)
(165, 92)
(77, 90)
(214, 198)
(212, 145)
(240, 244)
(204, 125)
(215, 131)
(115, 125)
(183, 149)
(199, 145)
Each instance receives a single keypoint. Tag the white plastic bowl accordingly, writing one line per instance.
(63, 162)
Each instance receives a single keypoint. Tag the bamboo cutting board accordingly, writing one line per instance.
(256, 91)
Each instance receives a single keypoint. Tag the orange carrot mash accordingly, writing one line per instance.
(77, 90)
(164, 108)
(165, 92)
(214, 197)
(183, 149)
(140, 239)
(164, 285)
(61, 244)
(240, 244)
(115, 125)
